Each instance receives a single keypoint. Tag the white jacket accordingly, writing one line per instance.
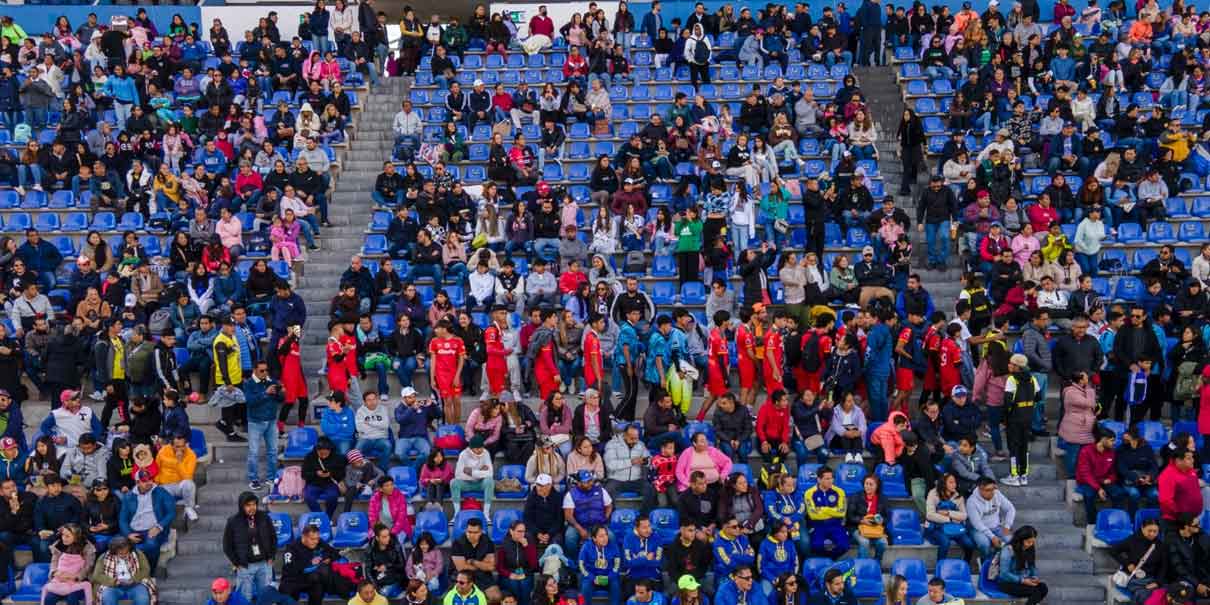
(344, 21)
(467, 460)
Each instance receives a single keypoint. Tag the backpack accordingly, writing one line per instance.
(21, 134)
(701, 52)
(635, 262)
(160, 322)
(291, 484)
(810, 353)
(769, 473)
(1187, 381)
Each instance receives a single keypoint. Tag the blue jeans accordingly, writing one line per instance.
(151, 546)
(569, 370)
(253, 578)
(546, 248)
(614, 588)
(136, 593)
(405, 368)
(936, 535)
(876, 386)
(378, 450)
(425, 270)
(262, 434)
(36, 117)
(1039, 423)
(1071, 452)
(1116, 497)
(1087, 263)
(740, 455)
(381, 200)
(937, 236)
(939, 71)
(995, 414)
(329, 495)
(412, 450)
(523, 589)
(982, 543)
(1138, 494)
(829, 59)
(864, 544)
(801, 454)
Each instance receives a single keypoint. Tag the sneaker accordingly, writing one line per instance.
(97, 396)
(236, 438)
(859, 458)
(191, 513)
(20, 191)
(848, 457)
(254, 486)
(999, 457)
(1023, 480)
(1011, 480)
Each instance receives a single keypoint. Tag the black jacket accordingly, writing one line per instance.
(20, 523)
(334, 464)
(1188, 560)
(238, 538)
(391, 558)
(106, 511)
(1134, 343)
(544, 515)
(298, 560)
(1131, 551)
(936, 206)
(695, 559)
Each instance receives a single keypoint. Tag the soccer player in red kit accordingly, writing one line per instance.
(594, 363)
(745, 351)
(497, 353)
(813, 381)
(542, 351)
(718, 364)
(932, 351)
(448, 354)
(907, 348)
(775, 354)
(951, 358)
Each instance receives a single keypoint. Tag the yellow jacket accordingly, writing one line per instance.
(173, 470)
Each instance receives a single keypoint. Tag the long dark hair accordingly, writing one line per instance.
(1023, 557)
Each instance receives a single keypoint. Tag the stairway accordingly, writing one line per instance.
(1063, 564)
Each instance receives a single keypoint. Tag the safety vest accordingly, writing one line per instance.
(233, 365)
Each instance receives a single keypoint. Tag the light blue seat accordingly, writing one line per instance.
(283, 528)
(666, 523)
(434, 523)
(893, 484)
(319, 520)
(916, 574)
(352, 530)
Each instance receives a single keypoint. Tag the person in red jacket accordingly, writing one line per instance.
(497, 353)
(1180, 491)
(1097, 477)
(773, 432)
(540, 24)
(576, 66)
(542, 353)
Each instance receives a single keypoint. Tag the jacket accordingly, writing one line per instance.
(960, 420)
(162, 501)
(685, 461)
(618, 457)
(990, 517)
(1188, 559)
(1180, 492)
(85, 467)
(728, 592)
(544, 515)
(262, 405)
(1036, 348)
(971, 468)
(1135, 461)
(392, 558)
(887, 437)
(642, 557)
(1131, 550)
(334, 464)
(339, 426)
(397, 502)
(730, 553)
(1095, 467)
(238, 538)
(1079, 415)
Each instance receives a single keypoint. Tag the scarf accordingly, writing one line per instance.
(109, 567)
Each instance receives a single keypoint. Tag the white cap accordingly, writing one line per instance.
(132, 300)
(478, 82)
(543, 479)
(407, 392)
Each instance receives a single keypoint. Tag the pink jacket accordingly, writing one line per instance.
(401, 524)
(685, 462)
(230, 231)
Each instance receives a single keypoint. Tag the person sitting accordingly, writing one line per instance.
(867, 515)
(836, 590)
(587, 504)
(389, 507)
(1097, 476)
(626, 465)
(366, 592)
(740, 587)
(324, 473)
(101, 509)
(308, 569)
(936, 594)
(777, 556)
(53, 510)
(1137, 468)
(989, 516)
(785, 507)
(1018, 568)
(474, 472)
(464, 590)
(123, 573)
(826, 507)
(1145, 558)
(384, 560)
(475, 555)
(72, 558)
(147, 514)
(731, 549)
(360, 477)
(969, 463)
(600, 564)
(177, 464)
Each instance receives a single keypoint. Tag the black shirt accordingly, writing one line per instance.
(462, 547)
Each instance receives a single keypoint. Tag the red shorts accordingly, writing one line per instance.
(747, 374)
(715, 383)
(905, 380)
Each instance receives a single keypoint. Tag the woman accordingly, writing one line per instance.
(816, 290)
(701, 457)
(520, 430)
(1079, 419)
(600, 561)
(1145, 558)
(862, 137)
(843, 280)
(546, 591)
(867, 516)
(101, 513)
(389, 508)
(554, 420)
(125, 567)
(435, 476)
(774, 212)
(742, 500)
(847, 429)
(384, 562)
(1190, 352)
(911, 149)
(791, 589)
(545, 461)
(418, 593)
(585, 457)
(688, 246)
(517, 562)
(945, 518)
(1018, 568)
(426, 563)
(71, 559)
(896, 592)
(45, 459)
(777, 557)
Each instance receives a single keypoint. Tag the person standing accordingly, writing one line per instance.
(110, 357)
(228, 376)
(869, 23)
(448, 353)
(263, 397)
(911, 143)
(502, 369)
(250, 543)
(1021, 394)
(697, 55)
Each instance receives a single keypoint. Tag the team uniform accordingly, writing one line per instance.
(774, 358)
(745, 342)
(717, 379)
(445, 353)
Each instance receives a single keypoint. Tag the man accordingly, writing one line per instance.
(970, 464)
(936, 594)
(465, 592)
(962, 418)
(642, 556)
(868, 22)
(109, 356)
(687, 556)
(41, 257)
(448, 354)
(836, 590)
(307, 569)
(373, 429)
(250, 544)
(826, 508)
(1180, 491)
(732, 551)
(1021, 394)
(474, 555)
(936, 210)
(17, 515)
(146, 516)
(70, 421)
(1097, 477)
(879, 345)
(1035, 345)
(626, 461)
(412, 444)
(697, 505)
(228, 377)
(122, 573)
(740, 587)
(628, 359)
(1077, 351)
(586, 505)
(177, 464)
(990, 517)
(645, 593)
(84, 465)
(263, 397)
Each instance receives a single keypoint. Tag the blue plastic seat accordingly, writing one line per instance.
(1144, 514)
(151, 244)
(915, 573)
(905, 527)
(502, 520)
(1113, 525)
(463, 518)
(513, 471)
(744, 470)
(66, 246)
(405, 479)
(8, 199)
(693, 427)
(663, 293)
(693, 293)
(46, 221)
(663, 265)
(1154, 433)
(857, 237)
(578, 173)
(35, 199)
(352, 530)
(131, 221)
(376, 244)
(17, 222)
(1142, 256)
(1160, 232)
(104, 221)
(622, 520)
(957, 576)
(34, 577)
(282, 527)
(319, 520)
(849, 478)
(808, 475)
(300, 442)
(1176, 207)
(433, 522)
(893, 485)
(1129, 289)
(867, 579)
(666, 523)
(1130, 233)
(1191, 232)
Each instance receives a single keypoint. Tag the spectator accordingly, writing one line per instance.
(361, 476)
(826, 508)
(385, 561)
(147, 514)
(474, 555)
(177, 464)
(990, 517)
(250, 544)
(308, 568)
(1144, 557)
(625, 462)
(474, 471)
(123, 573)
(72, 558)
(600, 565)
(1018, 569)
(324, 475)
(1179, 488)
(1136, 467)
(867, 516)
(586, 505)
(1096, 475)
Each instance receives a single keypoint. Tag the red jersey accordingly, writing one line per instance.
(950, 357)
(932, 351)
(592, 358)
(445, 353)
(718, 347)
(775, 352)
(745, 345)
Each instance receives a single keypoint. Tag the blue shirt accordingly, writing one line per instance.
(878, 351)
(657, 348)
(627, 336)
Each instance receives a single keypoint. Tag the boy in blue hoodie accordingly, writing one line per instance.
(731, 549)
(174, 420)
(642, 553)
(339, 423)
(777, 556)
(600, 566)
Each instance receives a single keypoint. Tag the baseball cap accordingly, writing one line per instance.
(65, 396)
(407, 392)
(9, 443)
(543, 479)
(337, 396)
(584, 476)
(867, 250)
(476, 442)
(1003, 132)
(1019, 360)
(958, 391)
(219, 585)
(143, 475)
(687, 582)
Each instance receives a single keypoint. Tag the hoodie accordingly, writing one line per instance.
(249, 539)
(339, 426)
(1094, 467)
(887, 437)
(971, 468)
(85, 467)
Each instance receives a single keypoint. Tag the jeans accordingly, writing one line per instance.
(995, 415)
(939, 71)
(876, 386)
(378, 450)
(262, 434)
(1039, 423)
(1071, 452)
(864, 544)
(1116, 497)
(936, 535)
(937, 235)
(151, 547)
(36, 117)
(328, 494)
(1087, 263)
(523, 589)
(405, 369)
(569, 370)
(122, 113)
(75, 598)
(546, 248)
(425, 270)
(381, 200)
(829, 59)
(557, 156)
(1137, 494)
(613, 587)
(252, 579)
(412, 450)
(737, 455)
(136, 593)
(982, 543)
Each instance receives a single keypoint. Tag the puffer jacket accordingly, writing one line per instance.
(397, 502)
(386, 566)
(887, 437)
(1079, 415)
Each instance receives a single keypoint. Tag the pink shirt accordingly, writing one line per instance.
(230, 231)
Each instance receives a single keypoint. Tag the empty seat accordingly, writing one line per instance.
(433, 522)
(17, 222)
(300, 442)
(352, 530)
(1113, 525)
(905, 527)
(318, 520)
(957, 576)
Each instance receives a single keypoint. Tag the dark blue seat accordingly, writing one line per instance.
(904, 527)
(1113, 525)
(17, 222)
(46, 221)
(352, 530)
(693, 293)
(282, 527)
(433, 522)
(300, 442)
(893, 485)
(405, 479)
(957, 576)
(917, 576)
(319, 520)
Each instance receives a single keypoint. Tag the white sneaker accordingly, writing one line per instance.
(1023, 480)
(848, 458)
(859, 458)
(1011, 480)
(20, 191)
(191, 513)
(97, 396)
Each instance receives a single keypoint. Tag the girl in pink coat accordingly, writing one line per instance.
(397, 506)
(285, 240)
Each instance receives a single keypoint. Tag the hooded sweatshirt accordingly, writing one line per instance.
(887, 437)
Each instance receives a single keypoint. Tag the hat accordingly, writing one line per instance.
(909, 438)
(983, 193)
(87, 438)
(545, 441)
(354, 456)
(476, 442)
(716, 164)
(687, 582)
(98, 483)
(1003, 132)
(585, 476)
(65, 396)
(867, 250)
(407, 392)
(543, 188)
(143, 475)
(9, 443)
(545, 479)
(220, 584)
(1019, 360)
(958, 391)
(132, 300)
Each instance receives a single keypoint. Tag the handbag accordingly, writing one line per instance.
(871, 532)
(815, 441)
(781, 226)
(1121, 578)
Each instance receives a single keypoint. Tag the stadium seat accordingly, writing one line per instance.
(300, 442)
(433, 522)
(352, 530)
(744, 470)
(857, 237)
(17, 222)
(35, 199)
(915, 573)
(513, 471)
(1113, 525)
(1143, 514)
(104, 221)
(451, 429)
(131, 221)
(282, 527)
(34, 577)
(867, 579)
(375, 244)
(1130, 233)
(1160, 232)
(891, 476)
(957, 576)
(666, 522)
(1176, 207)
(1129, 289)
(849, 478)
(1154, 433)
(663, 265)
(1191, 232)
(319, 520)
(622, 520)
(463, 518)
(405, 480)
(46, 221)
(905, 527)
(502, 520)
(808, 475)
(693, 293)
(1200, 207)
(989, 587)
(8, 199)
(663, 293)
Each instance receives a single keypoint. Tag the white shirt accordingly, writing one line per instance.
(372, 424)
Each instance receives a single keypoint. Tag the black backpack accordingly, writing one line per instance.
(810, 353)
(701, 52)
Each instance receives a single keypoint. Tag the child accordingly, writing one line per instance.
(1142, 394)
(900, 259)
(144, 460)
(663, 473)
(435, 475)
(144, 423)
(285, 240)
(175, 420)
